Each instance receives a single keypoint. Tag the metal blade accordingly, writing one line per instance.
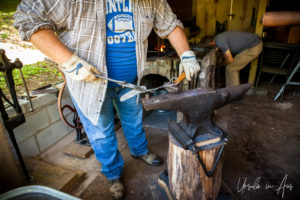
(124, 84)
(129, 95)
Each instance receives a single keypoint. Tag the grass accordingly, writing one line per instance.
(37, 73)
(7, 10)
(6, 24)
(8, 34)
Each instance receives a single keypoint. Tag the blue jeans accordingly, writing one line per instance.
(103, 138)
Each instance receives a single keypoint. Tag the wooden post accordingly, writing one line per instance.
(258, 30)
(10, 174)
(187, 179)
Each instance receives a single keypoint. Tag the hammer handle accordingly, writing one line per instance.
(180, 78)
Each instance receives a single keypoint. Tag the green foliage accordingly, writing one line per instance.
(7, 26)
(9, 5)
(4, 36)
(30, 71)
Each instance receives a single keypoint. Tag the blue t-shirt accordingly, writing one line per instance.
(120, 42)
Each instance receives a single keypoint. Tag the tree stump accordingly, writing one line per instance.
(187, 179)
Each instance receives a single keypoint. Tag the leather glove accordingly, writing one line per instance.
(189, 64)
(78, 69)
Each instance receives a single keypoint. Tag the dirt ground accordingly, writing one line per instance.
(261, 159)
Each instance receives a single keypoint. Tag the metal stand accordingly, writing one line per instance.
(81, 137)
(288, 82)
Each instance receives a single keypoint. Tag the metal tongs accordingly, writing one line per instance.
(140, 89)
(135, 88)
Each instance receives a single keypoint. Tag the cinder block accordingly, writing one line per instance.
(150, 64)
(154, 70)
(69, 117)
(164, 71)
(29, 147)
(53, 113)
(25, 105)
(51, 135)
(44, 99)
(67, 101)
(34, 122)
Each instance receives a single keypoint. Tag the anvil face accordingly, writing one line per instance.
(197, 101)
(197, 105)
(184, 101)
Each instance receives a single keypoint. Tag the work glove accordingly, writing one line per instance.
(189, 64)
(78, 69)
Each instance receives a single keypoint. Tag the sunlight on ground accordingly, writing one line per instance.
(26, 56)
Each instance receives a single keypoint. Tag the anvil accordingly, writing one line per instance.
(197, 106)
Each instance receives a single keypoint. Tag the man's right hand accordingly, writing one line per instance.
(78, 69)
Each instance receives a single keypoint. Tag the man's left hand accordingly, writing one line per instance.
(189, 64)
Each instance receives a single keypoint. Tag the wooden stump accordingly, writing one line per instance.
(187, 179)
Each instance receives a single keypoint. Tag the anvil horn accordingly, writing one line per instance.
(197, 101)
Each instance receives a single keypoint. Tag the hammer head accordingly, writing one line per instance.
(196, 102)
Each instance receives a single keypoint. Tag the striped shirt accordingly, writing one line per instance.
(80, 24)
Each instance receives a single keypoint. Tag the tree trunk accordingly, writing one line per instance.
(187, 179)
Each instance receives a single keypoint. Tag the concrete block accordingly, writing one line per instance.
(69, 117)
(34, 122)
(25, 105)
(51, 135)
(11, 112)
(164, 71)
(29, 147)
(44, 99)
(53, 113)
(67, 101)
(150, 64)
(154, 70)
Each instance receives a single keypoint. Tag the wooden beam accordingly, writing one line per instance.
(258, 30)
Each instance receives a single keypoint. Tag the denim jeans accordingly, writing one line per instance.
(103, 138)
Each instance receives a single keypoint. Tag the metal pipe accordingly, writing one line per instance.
(26, 89)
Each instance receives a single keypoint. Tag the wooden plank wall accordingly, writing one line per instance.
(243, 10)
(207, 12)
(210, 11)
